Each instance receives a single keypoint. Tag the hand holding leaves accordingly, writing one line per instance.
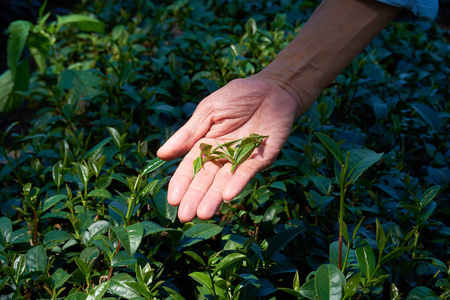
(237, 110)
(235, 156)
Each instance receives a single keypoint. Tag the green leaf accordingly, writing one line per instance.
(332, 146)
(280, 240)
(197, 164)
(197, 233)
(360, 160)
(153, 165)
(175, 295)
(149, 189)
(6, 87)
(57, 236)
(49, 202)
(98, 292)
(334, 253)
(421, 293)
(19, 267)
(86, 82)
(329, 282)
(18, 35)
(196, 257)
(393, 254)
(5, 231)
(130, 237)
(351, 287)
(308, 289)
(82, 22)
(59, 278)
(380, 236)
(202, 278)
(428, 196)
(115, 135)
(366, 259)
(228, 260)
(428, 114)
(36, 259)
(100, 193)
(77, 296)
(98, 146)
(83, 173)
(120, 288)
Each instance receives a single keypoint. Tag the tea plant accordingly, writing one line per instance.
(355, 207)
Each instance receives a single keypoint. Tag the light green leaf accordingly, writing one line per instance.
(329, 282)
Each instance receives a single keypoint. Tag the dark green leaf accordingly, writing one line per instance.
(36, 259)
(366, 260)
(152, 166)
(332, 146)
(49, 202)
(130, 237)
(100, 193)
(5, 230)
(421, 293)
(280, 240)
(228, 260)
(428, 114)
(18, 34)
(197, 233)
(59, 278)
(329, 282)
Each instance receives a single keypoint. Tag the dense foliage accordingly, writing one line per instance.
(83, 198)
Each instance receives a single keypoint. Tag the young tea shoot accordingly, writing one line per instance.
(235, 155)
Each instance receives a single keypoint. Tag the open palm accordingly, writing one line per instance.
(242, 107)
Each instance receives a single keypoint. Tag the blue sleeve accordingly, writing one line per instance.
(427, 9)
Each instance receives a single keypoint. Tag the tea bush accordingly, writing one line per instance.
(83, 197)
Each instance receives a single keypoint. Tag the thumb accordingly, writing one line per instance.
(186, 137)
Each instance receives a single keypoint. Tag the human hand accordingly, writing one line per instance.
(242, 107)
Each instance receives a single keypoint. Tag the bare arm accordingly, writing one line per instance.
(336, 32)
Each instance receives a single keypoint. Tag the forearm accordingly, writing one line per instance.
(336, 32)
